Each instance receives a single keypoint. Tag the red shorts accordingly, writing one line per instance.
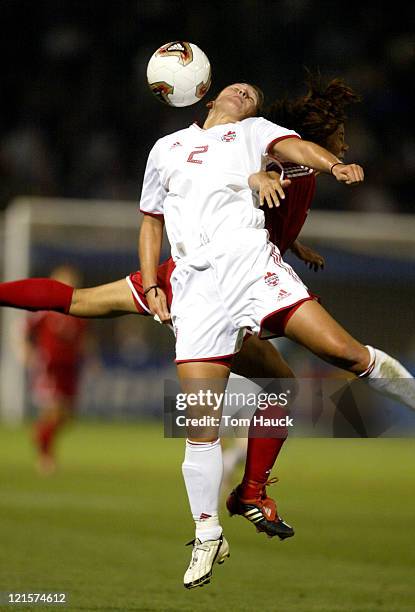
(135, 282)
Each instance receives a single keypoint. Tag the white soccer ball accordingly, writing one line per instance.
(179, 73)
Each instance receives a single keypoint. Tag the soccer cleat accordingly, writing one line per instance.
(261, 511)
(204, 555)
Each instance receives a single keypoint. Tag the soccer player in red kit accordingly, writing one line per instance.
(55, 346)
(318, 116)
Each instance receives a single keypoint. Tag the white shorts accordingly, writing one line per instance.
(237, 283)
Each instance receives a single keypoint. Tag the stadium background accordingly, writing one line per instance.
(77, 121)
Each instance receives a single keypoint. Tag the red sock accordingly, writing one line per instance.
(37, 294)
(262, 451)
(45, 435)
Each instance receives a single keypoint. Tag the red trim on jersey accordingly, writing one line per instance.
(157, 215)
(282, 316)
(272, 143)
(225, 360)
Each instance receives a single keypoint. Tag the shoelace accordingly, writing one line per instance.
(262, 494)
(268, 483)
(196, 549)
(271, 481)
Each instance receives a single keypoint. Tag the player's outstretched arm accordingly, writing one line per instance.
(149, 249)
(309, 154)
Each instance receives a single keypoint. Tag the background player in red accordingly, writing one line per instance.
(55, 347)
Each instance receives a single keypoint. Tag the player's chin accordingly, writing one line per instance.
(237, 105)
(234, 105)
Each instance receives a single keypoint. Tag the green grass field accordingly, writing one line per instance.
(109, 529)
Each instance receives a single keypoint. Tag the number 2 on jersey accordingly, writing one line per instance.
(197, 151)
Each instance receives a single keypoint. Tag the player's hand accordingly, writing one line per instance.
(157, 302)
(311, 258)
(269, 186)
(350, 174)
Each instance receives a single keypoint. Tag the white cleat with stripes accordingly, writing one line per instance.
(204, 555)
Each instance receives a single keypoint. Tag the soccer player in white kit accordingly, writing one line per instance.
(228, 277)
(210, 250)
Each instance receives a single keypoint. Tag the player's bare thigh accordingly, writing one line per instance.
(313, 327)
(110, 300)
(206, 377)
(260, 359)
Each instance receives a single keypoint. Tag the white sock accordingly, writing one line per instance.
(387, 376)
(202, 472)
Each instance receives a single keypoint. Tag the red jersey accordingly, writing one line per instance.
(58, 341)
(57, 337)
(285, 222)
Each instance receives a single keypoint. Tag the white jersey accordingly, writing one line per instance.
(198, 179)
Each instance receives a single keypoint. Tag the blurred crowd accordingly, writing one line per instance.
(77, 119)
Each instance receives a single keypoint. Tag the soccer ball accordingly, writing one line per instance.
(179, 74)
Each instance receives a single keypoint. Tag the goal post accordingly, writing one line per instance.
(17, 225)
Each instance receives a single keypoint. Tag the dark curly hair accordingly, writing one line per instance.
(317, 114)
